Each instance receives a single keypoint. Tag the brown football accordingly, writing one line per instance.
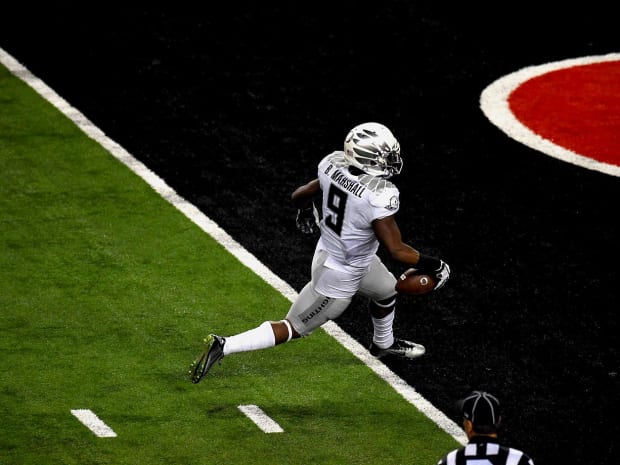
(414, 282)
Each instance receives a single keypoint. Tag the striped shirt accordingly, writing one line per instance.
(484, 450)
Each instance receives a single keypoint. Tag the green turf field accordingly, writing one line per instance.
(106, 291)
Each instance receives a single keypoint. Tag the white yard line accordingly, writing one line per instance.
(260, 418)
(236, 249)
(93, 423)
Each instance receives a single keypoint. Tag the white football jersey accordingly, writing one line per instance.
(349, 206)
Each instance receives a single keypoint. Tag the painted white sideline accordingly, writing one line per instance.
(211, 228)
(93, 423)
(260, 418)
(494, 105)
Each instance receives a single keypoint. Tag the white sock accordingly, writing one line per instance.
(383, 335)
(254, 339)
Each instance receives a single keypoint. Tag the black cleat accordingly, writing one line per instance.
(400, 347)
(214, 352)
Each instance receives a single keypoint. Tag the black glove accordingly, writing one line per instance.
(442, 275)
(307, 220)
(434, 266)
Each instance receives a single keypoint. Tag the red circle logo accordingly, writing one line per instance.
(568, 109)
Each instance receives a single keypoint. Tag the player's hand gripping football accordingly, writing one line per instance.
(307, 220)
(442, 275)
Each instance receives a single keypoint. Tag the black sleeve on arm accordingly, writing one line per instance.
(426, 263)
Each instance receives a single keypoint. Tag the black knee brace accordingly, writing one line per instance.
(382, 308)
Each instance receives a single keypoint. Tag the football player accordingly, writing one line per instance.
(357, 211)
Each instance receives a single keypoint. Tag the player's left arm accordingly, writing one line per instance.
(307, 216)
(303, 195)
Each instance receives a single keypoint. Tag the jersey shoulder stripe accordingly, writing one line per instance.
(386, 194)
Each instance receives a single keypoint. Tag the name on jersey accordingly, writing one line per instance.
(347, 184)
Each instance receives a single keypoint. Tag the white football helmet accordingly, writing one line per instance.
(372, 148)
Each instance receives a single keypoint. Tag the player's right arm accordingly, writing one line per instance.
(387, 231)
